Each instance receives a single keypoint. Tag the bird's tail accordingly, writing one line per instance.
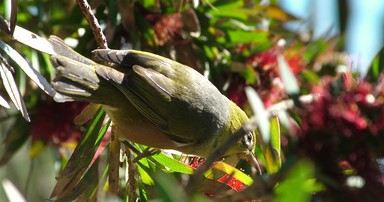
(76, 78)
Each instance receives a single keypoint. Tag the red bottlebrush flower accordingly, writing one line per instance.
(232, 182)
(236, 92)
(53, 121)
(267, 60)
(196, 162)
(165, 26)
(270, 88)
(342, 129)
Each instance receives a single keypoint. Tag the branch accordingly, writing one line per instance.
(93, 23)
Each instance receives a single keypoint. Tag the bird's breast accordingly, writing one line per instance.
(132, 126)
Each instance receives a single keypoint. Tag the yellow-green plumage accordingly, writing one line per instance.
(152, 100)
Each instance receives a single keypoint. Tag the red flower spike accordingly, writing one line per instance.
(165, 26)
(232, 182)
(53, 122)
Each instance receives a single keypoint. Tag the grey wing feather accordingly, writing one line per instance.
(62, 49)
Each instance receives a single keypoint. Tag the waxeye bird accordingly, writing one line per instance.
(152, 100)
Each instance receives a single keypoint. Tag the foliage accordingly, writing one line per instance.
(310, 149)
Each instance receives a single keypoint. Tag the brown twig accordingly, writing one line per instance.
(114, 162)
(93, 23)
(132, 170)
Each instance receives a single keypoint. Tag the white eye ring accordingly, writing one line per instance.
(248, 140)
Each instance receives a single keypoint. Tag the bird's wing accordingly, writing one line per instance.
(152, 95)
(62, 49)
(178, 99)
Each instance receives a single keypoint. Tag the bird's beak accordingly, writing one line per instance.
(251, 159)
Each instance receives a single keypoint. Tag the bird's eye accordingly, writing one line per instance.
(248, 141)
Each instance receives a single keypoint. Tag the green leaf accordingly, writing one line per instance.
(233, 9)
(82, 156)
(377, 66)
(87, 186)
(249, 75)
(145, 177)
(240, 36)
(173, 164)
(15, 138)
(294, 186)
(272, 151)
(167, 188)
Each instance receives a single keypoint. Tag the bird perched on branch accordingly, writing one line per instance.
(152, 100)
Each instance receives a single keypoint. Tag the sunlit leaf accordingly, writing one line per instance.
(289, 80)
(272, 151)
(31, 72)
(234, 9)
(145, 177)
(3, 102)
(234, 172)
(233, 37)
(259, 112)
(173, 164)
(32, 40)
(12, 192)
(13, 92)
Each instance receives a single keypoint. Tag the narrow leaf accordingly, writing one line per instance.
(234, 172)
(13, 92)
(3, 102)
(31, 72)
(145, 177)
(173, 164)
(275, 138)
(81, 157)
(88, 183)
(13, 17)
(32, 40)
(15, 139)
(4, 26)
(271, 151)
(259, 112)
(87, 114)
(289, 80)
(13, 194)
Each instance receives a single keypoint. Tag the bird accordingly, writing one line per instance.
(152, 100)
